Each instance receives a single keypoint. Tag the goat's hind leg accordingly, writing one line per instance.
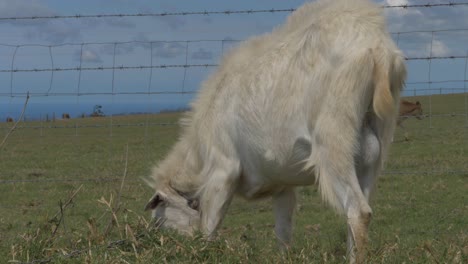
(284, 204)
(367, 161)
(367, 166)
(358, 213)
(339, 185)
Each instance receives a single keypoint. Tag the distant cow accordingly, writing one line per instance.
(65, 116)
(407, 110)
(9, 120)
(315, 101)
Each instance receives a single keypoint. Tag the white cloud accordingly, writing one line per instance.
(423, 18)
(418, 44)
(88, 55)
(439, 48)
(399, 19)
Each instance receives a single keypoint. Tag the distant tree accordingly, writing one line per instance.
(97, 111)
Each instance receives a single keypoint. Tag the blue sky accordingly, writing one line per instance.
(104, 31)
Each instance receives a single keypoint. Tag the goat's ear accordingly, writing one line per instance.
(154, 201)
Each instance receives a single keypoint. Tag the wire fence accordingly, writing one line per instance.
(222, 12)
(185, 52)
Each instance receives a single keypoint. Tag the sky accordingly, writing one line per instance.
(146, 41)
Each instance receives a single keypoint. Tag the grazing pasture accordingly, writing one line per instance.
(72, 192)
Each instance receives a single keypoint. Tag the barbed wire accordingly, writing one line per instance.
(437, 57)
(430, 31)
(205, 12)
(122, 42)
(175, 92)
(426, 5)
(148, 42)
(102, 68)
(45, 94)
(438, 82)
(167, 66)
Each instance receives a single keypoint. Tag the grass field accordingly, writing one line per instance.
(64, 198)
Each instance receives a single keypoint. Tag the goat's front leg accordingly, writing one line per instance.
(284, 204)
(217, 192)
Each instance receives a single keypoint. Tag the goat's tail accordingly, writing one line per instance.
(388, 78)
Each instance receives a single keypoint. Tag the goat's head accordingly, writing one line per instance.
(175, 210)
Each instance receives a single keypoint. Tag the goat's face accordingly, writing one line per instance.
(174, 211)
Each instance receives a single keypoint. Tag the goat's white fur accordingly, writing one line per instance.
(314, 101)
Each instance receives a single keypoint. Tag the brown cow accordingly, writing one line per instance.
(9, 120)
(65, 116)
(407, 110)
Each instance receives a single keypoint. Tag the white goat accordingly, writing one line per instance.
(316, 100)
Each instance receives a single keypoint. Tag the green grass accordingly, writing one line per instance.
(420, 207)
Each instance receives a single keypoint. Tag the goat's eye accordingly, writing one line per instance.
(194, 204)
